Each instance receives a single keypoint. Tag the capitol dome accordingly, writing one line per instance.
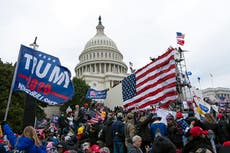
(101, 63)
(100, 39)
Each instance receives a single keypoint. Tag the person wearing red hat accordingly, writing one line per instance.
(179, 115)
(223, 132)
(95, 148)
(225, 148)
(198, 141)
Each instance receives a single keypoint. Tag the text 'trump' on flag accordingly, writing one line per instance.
(42, 76)
(154, 84)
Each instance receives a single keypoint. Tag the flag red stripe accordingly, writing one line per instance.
(155, 101)
(59, 95)
(155, 67)
(172, 93)
(151, 94)
(156, 75)
(157, 83)
(169, 51)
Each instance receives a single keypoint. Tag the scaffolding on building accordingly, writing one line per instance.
(183, 82)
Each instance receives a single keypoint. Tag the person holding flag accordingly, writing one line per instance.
(41, 76)
(28, 141)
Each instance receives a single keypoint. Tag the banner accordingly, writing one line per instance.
(42, 76)
(95, 94)
(202, 106)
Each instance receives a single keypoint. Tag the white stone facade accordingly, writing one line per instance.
(213, 93)
(101, 63)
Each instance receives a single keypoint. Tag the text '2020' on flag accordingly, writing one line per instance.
(42, 76)
(154, 84)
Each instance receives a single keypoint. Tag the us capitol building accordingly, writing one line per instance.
(101, 63)
(101, 66)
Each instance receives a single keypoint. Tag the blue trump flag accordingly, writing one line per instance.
(96, 94)
(42, 76)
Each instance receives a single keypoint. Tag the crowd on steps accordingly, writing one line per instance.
(94, 128)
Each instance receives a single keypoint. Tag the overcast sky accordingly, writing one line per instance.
(140, 29)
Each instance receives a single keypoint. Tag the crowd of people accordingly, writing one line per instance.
(97, 129)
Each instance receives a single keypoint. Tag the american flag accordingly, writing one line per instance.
(180, 38)
(180, 42)
(151, 85)
(95, 119)
(179, 35)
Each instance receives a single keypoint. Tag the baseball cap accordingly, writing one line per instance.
(95, 148)
(226, 143)
(196, 131)
(179, 115)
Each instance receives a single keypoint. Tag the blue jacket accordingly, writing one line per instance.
(23, 143)
(158, 125)
(118, 131)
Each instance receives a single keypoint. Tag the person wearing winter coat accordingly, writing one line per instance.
(162, 144)
(118, 134)
(175, 132)
(157, 127)
(198, 141)
(143, 130)
(129, 128)
(106, 134)
(136, 144)
(28, 142)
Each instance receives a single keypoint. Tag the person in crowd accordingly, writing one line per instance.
(28, 141)
(77, 117)
(223, 132)
(104, 150)
(106, 133)
(175, 132)
(60, 148)
(198, 141)
(142, 128)
(86, 147)
(162, 144)
(95, 148)
(50, 147)
(225, 148)
(136, 144)
(69, 117)
(118, 134)
(129, 128)
(157, 127)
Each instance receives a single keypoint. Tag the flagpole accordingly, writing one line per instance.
(198, 79)
(211, 76)
(11, 88)
(29, 117)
